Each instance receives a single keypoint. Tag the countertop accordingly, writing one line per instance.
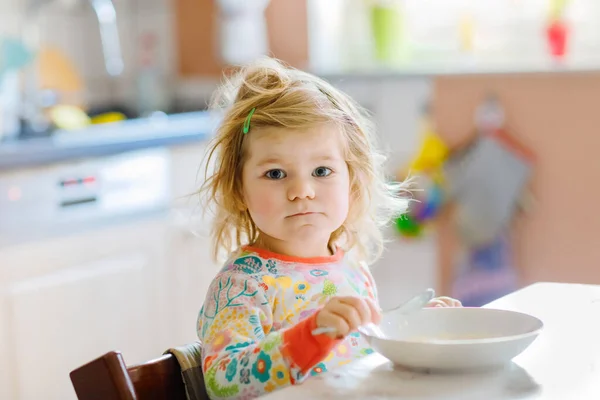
(563, 363)
(108, 139)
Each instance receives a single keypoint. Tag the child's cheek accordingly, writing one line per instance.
(263, 203)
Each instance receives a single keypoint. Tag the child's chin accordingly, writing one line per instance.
(305, 232)
(309, 231)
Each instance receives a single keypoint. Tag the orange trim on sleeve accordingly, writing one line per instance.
(304, 349)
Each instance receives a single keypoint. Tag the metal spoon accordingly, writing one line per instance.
(414, 304)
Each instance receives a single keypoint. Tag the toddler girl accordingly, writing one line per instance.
(299, 198)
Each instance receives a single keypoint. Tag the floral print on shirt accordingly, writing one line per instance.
(255, 299)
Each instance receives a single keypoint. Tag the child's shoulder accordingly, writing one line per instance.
(244, 262)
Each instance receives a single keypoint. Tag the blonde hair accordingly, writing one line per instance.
(289, 98)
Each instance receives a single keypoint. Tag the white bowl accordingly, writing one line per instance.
(455, 338)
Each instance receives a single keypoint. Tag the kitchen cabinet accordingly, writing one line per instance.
(130, 275)
(191, 266)
(191, 270)
(127, 270)
(68, 300)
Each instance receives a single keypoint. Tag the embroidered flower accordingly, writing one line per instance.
(249, 393)
(283, 282)
(317, 275)
(318, 369)
(262, 367)
(220, 341)
(354, 336)
(280, 375)
(329, 289)
(223, 364)
(245, 376)
(208, 361)
(245, 359)
(272, 267)
(301, 287)
(231, 370)
(269, 387)
(342, 350)
(367, 351)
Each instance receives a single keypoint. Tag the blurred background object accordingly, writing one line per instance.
(243, 30)
(14, 55)
(52, 79)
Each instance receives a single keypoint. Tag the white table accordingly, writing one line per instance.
(562, 364)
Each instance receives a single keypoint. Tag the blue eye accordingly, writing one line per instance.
(321, 172)
(275, 174)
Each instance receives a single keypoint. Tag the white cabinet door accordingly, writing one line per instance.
(190, 255)
(191, 272)
(67, 302)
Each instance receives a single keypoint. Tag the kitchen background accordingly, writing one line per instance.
(491, 105)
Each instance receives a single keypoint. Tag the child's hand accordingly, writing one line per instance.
(347, 314)
(444, 302)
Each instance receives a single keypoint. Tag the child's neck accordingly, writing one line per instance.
(294, 249)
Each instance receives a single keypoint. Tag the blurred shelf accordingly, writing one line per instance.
(107, 139)
(459, 67)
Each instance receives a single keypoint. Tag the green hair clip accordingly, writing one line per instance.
(247, 121)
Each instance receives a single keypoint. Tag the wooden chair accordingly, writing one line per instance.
(108, 378)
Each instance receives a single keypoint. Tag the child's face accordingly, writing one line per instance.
(296, 187)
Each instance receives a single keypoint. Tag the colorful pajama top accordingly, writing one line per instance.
(257, 319)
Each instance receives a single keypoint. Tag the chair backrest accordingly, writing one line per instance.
(108, 378)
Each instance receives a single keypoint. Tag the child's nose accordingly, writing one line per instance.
(300, 188)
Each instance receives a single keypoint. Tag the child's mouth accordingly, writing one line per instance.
(301, 214)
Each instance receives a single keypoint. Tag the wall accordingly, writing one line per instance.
(557, 116)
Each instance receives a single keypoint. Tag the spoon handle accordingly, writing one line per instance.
(323, 330)
(415, 303)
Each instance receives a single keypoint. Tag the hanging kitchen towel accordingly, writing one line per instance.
(487, 180)
(485, 273)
